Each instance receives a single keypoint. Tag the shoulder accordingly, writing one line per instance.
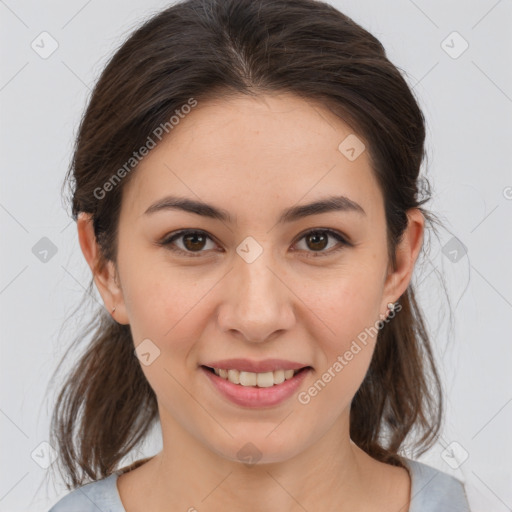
(100, 495)
(433, 490)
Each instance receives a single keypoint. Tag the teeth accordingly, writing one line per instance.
(262, 380)
(234, 376)
(278, 376)
(248, 378)
(265, 380)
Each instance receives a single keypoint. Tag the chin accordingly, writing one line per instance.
(259, 449)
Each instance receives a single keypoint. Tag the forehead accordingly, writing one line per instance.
(255, 150)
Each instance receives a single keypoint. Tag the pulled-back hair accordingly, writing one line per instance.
(209, 49)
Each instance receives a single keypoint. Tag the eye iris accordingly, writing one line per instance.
(319, 241)
(194, 237)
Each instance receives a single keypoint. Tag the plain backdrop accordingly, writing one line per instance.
(456, 56)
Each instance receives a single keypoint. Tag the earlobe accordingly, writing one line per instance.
(104, 272)
(107, 278)
(407, 252)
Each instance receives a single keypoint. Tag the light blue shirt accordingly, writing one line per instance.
(431, 491)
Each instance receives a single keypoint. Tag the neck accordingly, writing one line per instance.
(333, 472)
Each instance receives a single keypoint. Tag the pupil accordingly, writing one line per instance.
(194, 237)
(315, 237)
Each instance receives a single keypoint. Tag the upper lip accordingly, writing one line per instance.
(247, 365)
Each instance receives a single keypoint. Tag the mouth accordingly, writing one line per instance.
(253, 379)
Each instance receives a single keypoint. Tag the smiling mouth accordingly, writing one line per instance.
(251, 379)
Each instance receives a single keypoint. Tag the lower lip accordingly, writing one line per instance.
(253, 396)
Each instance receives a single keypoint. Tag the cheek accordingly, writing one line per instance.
(348, 304)
(160, 298)
(346, 354)
(167, 307)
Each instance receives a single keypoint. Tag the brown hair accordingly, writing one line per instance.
(206, 49)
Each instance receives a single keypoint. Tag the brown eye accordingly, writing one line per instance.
(318, 240)
(195, 243)
(192, 243)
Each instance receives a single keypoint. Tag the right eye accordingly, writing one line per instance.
(192, 242)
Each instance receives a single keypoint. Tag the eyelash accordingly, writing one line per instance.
(168, 242)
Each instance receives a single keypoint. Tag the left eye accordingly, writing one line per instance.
(193, 242)
(318, 240)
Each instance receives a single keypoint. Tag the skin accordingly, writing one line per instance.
(255, 157)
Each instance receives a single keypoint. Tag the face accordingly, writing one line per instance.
(262, 279)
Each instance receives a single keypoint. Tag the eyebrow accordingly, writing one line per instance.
(329, 204)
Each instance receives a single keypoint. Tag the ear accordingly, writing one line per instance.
(407, 252)
(104, 272)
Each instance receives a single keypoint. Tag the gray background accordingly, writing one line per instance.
(467, 99)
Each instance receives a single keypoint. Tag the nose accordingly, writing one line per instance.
(258, 303)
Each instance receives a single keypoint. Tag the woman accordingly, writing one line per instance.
(245, 185)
